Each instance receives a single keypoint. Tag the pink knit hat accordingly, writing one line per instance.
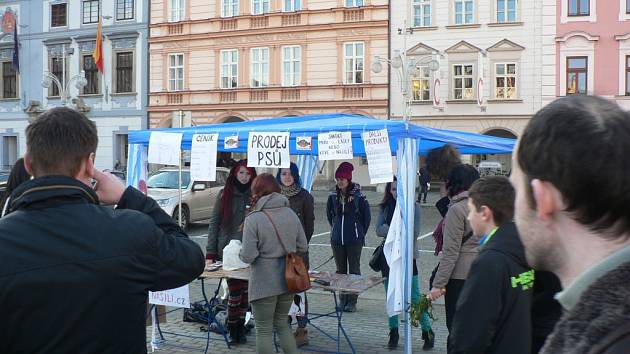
(344, 171)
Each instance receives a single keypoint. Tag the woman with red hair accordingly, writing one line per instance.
(271, 230)
(226, 223)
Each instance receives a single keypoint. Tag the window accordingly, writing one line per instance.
(9, 80)
(505, 81)
(260, 67)
(506, 10)
(9, 151)
(229, 8)
(124, 10)
(91, 75)
(463, 12)
(58, 15)
(229, 68)
(90, 11)
(124, 72)
(579, 7)
(627, 75)
(176, 13)
(291, 65)
(421, 84)
(56, 68)
(628, 6)
(463, 82)
(577, 75)
(421, 13)
(353, 63)
(260, 7)
(354, 3)
(175, 72)
(294, 5)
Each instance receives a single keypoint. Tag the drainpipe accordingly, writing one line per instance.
(148, 78)
(389, 55)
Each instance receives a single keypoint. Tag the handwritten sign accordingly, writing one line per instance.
(379, 156)
(165, 148)
(335, 146)
(203, 157)
(178, 297)
(270, 149)
(230, 142)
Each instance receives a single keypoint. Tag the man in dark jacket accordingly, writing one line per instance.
(576, 224)
(493, 310)
(74, 275)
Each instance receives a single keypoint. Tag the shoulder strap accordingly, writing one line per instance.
(276, 230)
(467, 237)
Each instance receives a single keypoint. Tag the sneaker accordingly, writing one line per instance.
(429, 339)
(393, 339)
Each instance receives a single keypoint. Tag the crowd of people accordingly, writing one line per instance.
(537, 263)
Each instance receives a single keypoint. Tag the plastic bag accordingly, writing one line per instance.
(231, 260)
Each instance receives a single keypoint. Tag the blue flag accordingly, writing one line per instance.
(16, 51)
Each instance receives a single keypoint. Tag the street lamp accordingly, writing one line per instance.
(62, 85)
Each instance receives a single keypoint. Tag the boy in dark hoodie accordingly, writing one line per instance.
(494, 309)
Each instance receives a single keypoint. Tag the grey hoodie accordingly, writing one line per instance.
(262, 249)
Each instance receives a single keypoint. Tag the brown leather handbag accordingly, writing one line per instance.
(295, 271)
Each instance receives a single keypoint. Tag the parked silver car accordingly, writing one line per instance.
(198, 197)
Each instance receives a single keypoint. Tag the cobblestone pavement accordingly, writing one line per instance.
(367, 328)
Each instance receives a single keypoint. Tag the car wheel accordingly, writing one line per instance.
(185, 217)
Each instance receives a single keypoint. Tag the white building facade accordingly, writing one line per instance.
(489, 79)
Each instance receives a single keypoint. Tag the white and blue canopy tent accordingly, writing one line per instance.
(407, 142)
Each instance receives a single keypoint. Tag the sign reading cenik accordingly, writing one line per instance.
(270, 149)
(335, 146)
(203, 157)
(379, 156)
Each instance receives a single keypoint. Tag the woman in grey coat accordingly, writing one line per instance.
(268, 293)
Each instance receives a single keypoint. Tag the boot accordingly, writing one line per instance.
(301, 336)
(234, 334)
(343, 300)
(242, 339)
(393, 339)
(429, 339)
(351, 303)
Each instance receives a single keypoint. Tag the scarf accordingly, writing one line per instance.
(291, 190)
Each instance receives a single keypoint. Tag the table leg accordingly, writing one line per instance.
(211, 317)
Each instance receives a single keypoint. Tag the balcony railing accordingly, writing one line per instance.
(352, 15)
(352, 92)
(229, 96)
(290, 95)
(258, 96)
(260, 22)
(175, 98)
(175, 28)
(291, 20)
(229, 24)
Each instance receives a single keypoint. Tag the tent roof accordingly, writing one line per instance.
(312, 125)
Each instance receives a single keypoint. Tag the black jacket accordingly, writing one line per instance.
(74, 275)
(494, 309)
(349, 219)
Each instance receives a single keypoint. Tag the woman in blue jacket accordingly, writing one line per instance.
(348, 214)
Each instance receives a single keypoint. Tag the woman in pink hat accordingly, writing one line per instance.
(348, 214)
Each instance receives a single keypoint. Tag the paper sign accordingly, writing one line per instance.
(270, 149)
(335, 146)
(165, 148)
(230, 142)
(203, 157)
(379, 156)
(304, 143)
(178, 297)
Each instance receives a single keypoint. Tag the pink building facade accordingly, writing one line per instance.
(592, 48)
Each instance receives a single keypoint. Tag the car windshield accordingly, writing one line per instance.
(168, 180)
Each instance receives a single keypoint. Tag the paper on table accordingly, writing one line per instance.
(165, 148)
(203, 157)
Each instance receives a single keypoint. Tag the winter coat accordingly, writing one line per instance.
(600, 322)
(220, 235)
(349, 220)
(456, 258)
(262, 249)
(303, 205)
(494, 309)
(546, 310)
(78, 274)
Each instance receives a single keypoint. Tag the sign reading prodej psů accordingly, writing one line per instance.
(335, 146)
(379, 156)
(203, 157)
(178, 297)
(165, 148)
(268, 149)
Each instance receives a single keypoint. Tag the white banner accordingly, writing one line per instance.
(165, 148)
(270, 149)
(379, 156)
(178, 297)
(203, 157)
(335, 146)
